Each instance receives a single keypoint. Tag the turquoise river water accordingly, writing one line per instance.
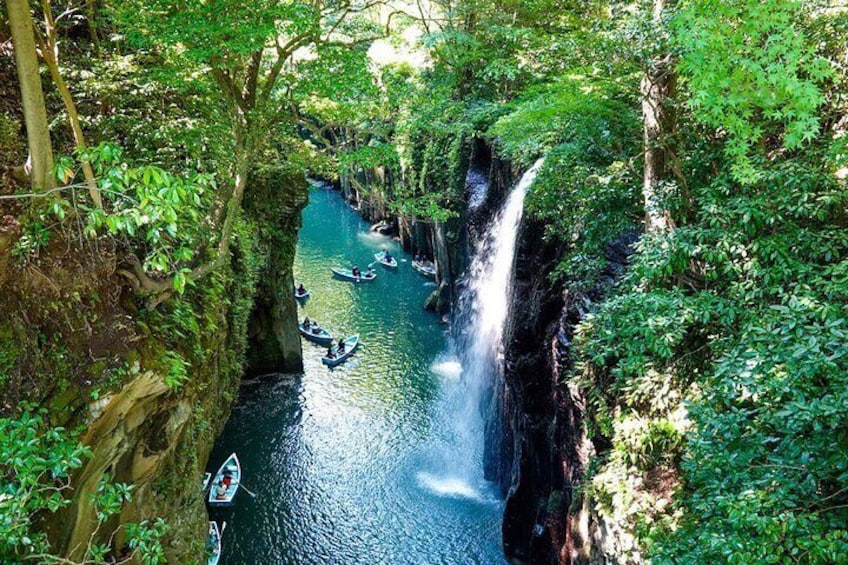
(367, 463)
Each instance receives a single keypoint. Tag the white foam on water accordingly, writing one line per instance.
(447, 368)
(449, 487)
(374, 239)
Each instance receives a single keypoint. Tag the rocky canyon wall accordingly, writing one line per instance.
(148, 390)
(545, 453)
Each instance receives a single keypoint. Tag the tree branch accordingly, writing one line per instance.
(249, 91)
(283, 54)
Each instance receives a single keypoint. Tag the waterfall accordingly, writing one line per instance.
(486, 306)
(478, 358)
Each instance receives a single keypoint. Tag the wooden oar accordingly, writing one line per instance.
(247, 490)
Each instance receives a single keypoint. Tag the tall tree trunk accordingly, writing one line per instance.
(35, 111)
(91, 19)
(50, 54)
(658, 85)
(233, 207)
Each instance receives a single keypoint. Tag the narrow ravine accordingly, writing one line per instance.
(359, 464)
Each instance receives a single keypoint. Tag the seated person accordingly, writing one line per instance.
(301, 289)
(355, 271)
(306, 324)
(341, 346)
(331, 352)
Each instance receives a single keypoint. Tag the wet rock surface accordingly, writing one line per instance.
(277, 198)
(536, 443)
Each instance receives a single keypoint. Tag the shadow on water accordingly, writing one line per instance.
(358, 464)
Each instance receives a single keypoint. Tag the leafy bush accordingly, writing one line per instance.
(36, 462)
(158, 212)
(734, 328)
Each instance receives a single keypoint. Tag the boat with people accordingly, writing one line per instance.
(226, 482)
(213, 543)
(315, 333)
(385, 258)
(337, 356)
(351, 275)
(425, 267)
(300, 292)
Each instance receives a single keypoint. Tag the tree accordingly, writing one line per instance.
(658, 116)
(753, 73)
(49, 45)
(35, 111)
(37, 465)
(251, 58)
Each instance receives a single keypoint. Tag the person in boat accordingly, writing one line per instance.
(387, 257)
(224, 485)
(341, 346)
(306, 324)
(369, 272)
(356, 272)
(300, 289)
(331, 352)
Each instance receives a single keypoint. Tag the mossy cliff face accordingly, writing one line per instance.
(276, 200)
(358, 187)
(136, 435)
(447, 245)
(149, 390)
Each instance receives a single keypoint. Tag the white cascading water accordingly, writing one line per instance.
(489, 285)
(483, 313)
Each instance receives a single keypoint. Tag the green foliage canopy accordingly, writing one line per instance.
(752, 72)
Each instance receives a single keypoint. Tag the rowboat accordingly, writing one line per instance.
(381, 258)
(222, 494)
(206, 479)
(213, 543)
(321, 336)
(351, 344)
(301, 295)
(426, 269)
(347, 274)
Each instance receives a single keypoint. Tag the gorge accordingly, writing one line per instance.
(632, 349)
